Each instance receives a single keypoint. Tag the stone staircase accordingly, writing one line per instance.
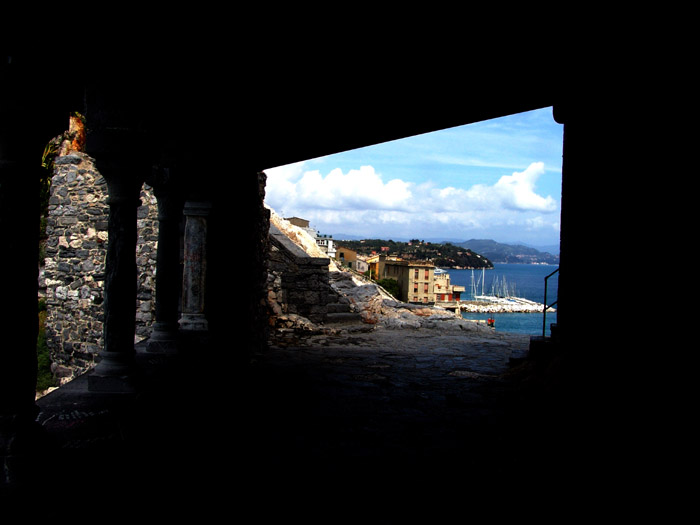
(339, 310)
(544, 346)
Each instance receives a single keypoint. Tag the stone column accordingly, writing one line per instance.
(194, 274)
(114, 373)
(28, 121)
(18, 314)
(168, 281)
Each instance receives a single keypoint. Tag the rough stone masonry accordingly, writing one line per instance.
(74, 267)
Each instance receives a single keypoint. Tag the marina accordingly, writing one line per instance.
(493, 304)
(506, 297)
(501, 298)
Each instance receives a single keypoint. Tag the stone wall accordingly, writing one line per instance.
(74, 268)
(298, 284)
(259, 242)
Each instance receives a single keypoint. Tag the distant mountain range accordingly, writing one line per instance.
(496, 251)
(511, 253)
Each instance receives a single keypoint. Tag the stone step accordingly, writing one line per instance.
(343, 317)
(542, 347)
(337, 308)
(554, 330)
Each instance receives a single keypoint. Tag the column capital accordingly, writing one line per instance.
(201, 208)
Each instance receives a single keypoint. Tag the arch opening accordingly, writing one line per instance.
(491, 187)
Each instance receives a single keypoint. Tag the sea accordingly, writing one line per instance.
(521, 280)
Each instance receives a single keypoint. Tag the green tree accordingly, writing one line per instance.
(390, 285)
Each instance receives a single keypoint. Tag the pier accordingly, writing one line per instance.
(493, 304)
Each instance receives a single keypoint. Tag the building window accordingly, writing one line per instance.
(415, 273)
(425, 288)
(427, 274)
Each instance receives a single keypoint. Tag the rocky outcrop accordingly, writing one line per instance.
(377, 307)
(363, 298)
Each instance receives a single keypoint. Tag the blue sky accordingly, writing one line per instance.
(498, 179)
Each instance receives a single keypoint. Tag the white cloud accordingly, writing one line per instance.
(361, 201)
(359, 189)
(517, 191)
(512, 192)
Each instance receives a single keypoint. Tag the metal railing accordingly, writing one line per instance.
(546, 306)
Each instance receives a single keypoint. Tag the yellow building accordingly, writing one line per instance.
(297, 221)
(415, 278)
(346, 256)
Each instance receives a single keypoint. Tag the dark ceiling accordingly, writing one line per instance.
(279, 110)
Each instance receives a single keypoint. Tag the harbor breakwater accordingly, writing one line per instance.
(488, 304)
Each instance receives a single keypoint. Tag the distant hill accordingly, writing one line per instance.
(509, 253)
(446, 255)
(551, 248)
(493, 251)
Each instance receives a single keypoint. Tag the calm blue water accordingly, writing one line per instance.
(528, 281)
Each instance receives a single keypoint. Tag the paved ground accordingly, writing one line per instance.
(340, 424)
(390, 392)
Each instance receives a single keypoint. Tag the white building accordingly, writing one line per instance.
(325, 242)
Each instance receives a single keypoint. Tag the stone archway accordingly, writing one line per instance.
(74, 267)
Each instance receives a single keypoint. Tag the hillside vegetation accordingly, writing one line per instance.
(446, 255)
